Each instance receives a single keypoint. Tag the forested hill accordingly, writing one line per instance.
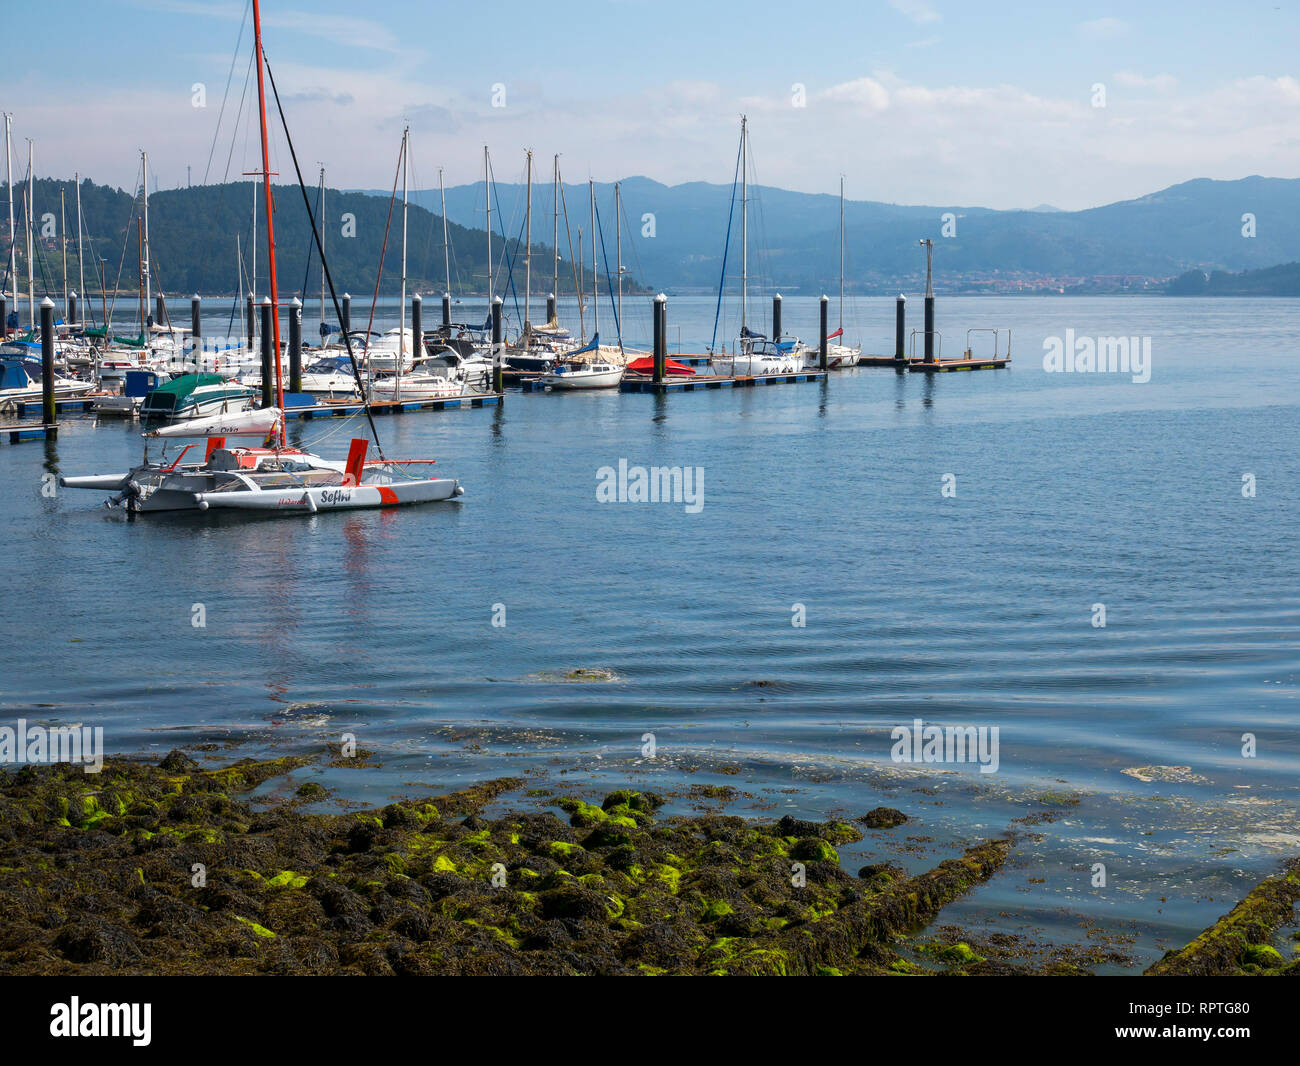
(193, 231)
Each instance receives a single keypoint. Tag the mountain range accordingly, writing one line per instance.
(674, 236)
(794, 237)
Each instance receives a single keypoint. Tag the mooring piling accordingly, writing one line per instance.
(446, 312)
(776, 317)
(72, 308)
(266, 351)
(196, 306)
(900, 329)
(50, 411)
(250, 319)
(660, 342)
(160, 309)
(295, 345)
(417, 326)
(823, 356)
(929, 300)
(498, 385)
(550, 307)
(347, 313)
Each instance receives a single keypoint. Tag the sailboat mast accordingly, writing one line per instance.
(841, 256)
(528, 248)
(31, 281)
(487, 199)
(81, 263)
(555, 239)
(401, 331)
(322, 245)
(63, 245)
(744, 221)
(13, 243)
(618, 254)
(148, 282)
(270, 223)
(446, 244)
(595, 276)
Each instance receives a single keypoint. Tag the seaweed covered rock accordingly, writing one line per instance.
(167, 869)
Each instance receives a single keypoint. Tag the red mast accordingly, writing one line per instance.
(270, 223)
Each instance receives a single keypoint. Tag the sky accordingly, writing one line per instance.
(913, 101)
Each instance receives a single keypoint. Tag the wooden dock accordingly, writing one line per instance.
(703, 382)
(944, 366)
(15, 434)
(343, 410)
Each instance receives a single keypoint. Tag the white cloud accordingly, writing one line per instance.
(918, 11)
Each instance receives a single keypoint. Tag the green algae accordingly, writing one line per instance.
(431, 886)
(1240, 941)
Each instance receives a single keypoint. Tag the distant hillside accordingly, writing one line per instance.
(794, 237)
(193, 240)
(1281, 280)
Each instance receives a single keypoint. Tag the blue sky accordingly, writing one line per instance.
(916, 101)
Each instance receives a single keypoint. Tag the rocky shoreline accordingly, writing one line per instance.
(173, 869)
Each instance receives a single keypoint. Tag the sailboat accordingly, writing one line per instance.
(754, 353)
(838, 356)
(274, 478)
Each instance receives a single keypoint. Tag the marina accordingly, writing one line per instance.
(913, 671)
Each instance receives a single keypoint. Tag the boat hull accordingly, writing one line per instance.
(334, 498)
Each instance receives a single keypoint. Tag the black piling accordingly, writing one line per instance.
(660, 339)
(825, 317)
(446, 312)
(160, 309)
(498, 385)
(250, 320)
(4, 316)
(417, 326)
(50, 411)
(295, 345)
(267, 391)
(196, 331)
(776, 317)
(929, 328)
(929, 300)
(72, 309)
(347, 313)
(900, 327)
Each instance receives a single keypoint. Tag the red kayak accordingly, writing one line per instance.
(647, 366)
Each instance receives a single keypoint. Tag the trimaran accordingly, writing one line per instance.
(274, 477)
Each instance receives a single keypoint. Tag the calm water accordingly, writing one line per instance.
(1071, 490)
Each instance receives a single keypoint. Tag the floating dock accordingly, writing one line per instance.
(81, 403)
(944, 366)
(15, 434)
(343, 410)
(701, 382)
(884, 360)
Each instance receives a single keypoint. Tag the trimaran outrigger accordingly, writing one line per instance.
(274, 477)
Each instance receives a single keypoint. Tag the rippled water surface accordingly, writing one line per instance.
(1071, 491)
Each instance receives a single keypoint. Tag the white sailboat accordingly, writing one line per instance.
(754, 354)
(838, 356)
